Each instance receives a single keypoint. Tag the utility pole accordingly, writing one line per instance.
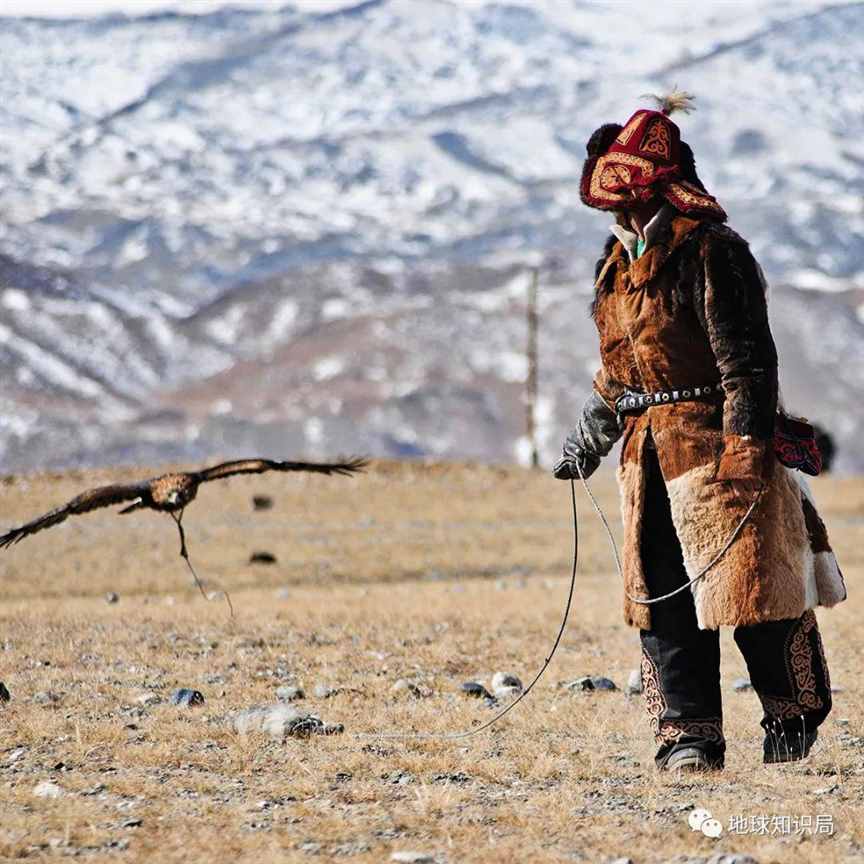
(531, 381)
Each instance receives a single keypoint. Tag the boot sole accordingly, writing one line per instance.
(692, 764)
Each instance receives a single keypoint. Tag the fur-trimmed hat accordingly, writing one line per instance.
(644, 157)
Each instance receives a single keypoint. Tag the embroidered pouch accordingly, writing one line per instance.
(795, 444)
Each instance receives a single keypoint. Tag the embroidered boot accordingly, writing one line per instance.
(787, 666)
(787, 743)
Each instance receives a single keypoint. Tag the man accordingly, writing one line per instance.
(680, 309)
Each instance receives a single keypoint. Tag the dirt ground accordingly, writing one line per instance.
(436, 574)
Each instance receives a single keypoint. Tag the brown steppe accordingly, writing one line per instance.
(434, 573)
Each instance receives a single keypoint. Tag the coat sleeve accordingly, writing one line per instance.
(736, 322)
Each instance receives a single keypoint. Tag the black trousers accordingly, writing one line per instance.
(681, 663)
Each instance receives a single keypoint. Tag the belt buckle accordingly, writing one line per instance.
(629, 401)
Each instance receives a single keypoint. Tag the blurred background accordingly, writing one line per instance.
(311, 228)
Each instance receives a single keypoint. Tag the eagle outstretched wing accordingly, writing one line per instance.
(259, 466)
(103, 496)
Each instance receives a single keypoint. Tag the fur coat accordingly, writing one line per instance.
(691, 311)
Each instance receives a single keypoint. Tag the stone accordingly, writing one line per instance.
(148, 699)
(47, 789)
(289, 693)
(46, 697)
(262, 502)
(634, 682)
(187, 698)
(413, 858)
(283, 593)
(324, 691)
(591, 682)
(476, 690)
(405, 687)
(5, 695)
(283, 721)
(112, 597)
(505, 684)
(262, 557)
(741, 685)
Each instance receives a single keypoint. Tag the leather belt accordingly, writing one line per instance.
(632, 401)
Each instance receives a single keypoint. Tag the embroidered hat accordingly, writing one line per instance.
(644, 157)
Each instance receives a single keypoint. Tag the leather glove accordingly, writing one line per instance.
(594, 436)
(566, 467)
(743, 465)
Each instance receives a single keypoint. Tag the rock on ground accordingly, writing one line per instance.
(591, 682)
(413, 858)
(505, 684)
(404, 686)
(5, 695)
(289, 693)
(634, 682)
(187, 698)
(47, 789)
(262, 557)
(325, 691)
(475, 689)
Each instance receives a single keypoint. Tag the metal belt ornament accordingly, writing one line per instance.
(631, 401)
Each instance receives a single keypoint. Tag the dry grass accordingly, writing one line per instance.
(395, 574)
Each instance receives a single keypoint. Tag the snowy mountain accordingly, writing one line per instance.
(268, 229)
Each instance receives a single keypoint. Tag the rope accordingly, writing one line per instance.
(456, 736)
(732, 537)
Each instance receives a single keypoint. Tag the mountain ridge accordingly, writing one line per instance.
(399, 165)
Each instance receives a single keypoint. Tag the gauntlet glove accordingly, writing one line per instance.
(594, 436)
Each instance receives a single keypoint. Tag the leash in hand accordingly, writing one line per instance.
(648, 602)
(456, 736)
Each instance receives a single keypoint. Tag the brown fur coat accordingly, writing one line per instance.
(692, 311)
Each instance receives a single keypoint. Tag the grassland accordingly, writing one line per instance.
(437, 574)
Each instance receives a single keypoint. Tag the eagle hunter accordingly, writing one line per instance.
(170, 493)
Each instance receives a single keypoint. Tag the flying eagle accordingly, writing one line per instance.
(170, 493)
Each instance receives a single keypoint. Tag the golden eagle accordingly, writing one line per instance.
(170, 493)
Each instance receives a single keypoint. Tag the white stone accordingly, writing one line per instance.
(47, 789)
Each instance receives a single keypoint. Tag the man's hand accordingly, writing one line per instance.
(596, 432)
(742, 466)
(569, 467)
